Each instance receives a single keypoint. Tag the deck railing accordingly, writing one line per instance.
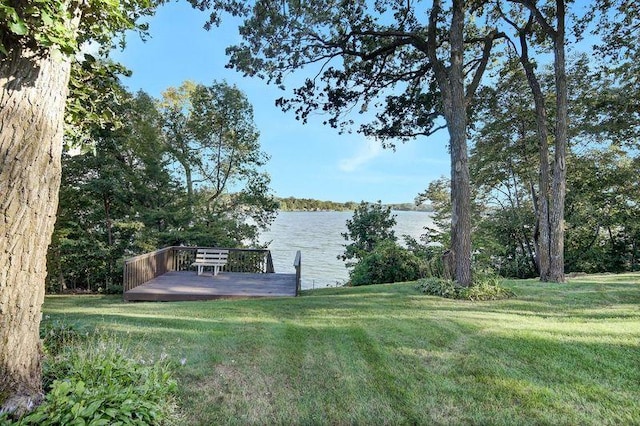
(145, 267)
(140, 269)
(240, 260)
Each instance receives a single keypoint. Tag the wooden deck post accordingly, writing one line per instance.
(297, 263)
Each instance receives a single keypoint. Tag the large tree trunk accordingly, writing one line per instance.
(551, 205)
(558, 189)
(451, 83)
(542, 238)
(461, 202)
(457, 125)
(33, 91)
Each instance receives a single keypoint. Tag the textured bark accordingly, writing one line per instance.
(448, 265)
(457, 124)
(33, 91)
(551, 204)
(558, 189)
(542, 237)
(451, 82)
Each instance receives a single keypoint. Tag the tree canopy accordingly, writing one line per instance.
(128, 195)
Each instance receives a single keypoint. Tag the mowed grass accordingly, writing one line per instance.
(556, 354)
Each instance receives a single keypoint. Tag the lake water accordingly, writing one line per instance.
(317, 236)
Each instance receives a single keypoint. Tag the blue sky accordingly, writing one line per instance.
(307, 161)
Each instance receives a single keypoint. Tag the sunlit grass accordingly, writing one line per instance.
(556, 354)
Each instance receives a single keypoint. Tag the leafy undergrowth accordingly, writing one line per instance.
(92, 378)
(488, 288)
(388, 354)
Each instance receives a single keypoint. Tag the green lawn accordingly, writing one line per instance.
(556, 354)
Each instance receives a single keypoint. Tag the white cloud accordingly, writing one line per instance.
(370, 150)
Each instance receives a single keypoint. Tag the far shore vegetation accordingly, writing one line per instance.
(310, 204)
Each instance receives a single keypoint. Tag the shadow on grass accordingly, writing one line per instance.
(563, 353)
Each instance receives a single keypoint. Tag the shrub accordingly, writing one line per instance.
(434, 286)
(112, 289)
(483, 288)
(429, 254)
(57, 335)
(371, 225)
(486, 287)
(387, 263)
(97, 381)
(486, 291)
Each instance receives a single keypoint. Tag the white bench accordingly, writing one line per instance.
(214, 258)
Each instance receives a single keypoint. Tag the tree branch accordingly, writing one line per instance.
(440, 72)
(486, 52)
(531, 5)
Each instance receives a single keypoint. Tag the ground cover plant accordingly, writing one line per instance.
(388, 354)
(92, 377)
(485, 287)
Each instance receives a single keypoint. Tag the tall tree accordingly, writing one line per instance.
(600, 234)
(408, 62)
(37, 40)
(513, 142)
(226, 139)
(209, 131)
(115, 199)
(175, 108)
(552, 175)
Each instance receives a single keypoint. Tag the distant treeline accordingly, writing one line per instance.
(309, 204)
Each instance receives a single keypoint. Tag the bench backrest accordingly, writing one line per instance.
(212, 256)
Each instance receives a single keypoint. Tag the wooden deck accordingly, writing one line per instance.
(187, 285)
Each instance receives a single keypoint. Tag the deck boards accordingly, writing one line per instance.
(187, 285)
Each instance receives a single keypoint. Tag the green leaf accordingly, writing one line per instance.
(46, 18)
(92, 408)
(111, 412)
(19, 28)
(78, 422)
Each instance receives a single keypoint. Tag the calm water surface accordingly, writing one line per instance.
(317, 236)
